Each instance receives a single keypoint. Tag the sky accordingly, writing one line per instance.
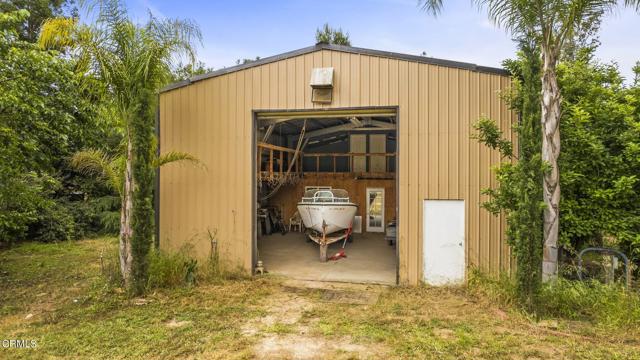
(234, 30)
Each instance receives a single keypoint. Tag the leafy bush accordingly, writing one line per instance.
(600, 163)
(47, 112)
(18, 204)
(600, 158)
(54, 223)
(27, 210)
(95, 216)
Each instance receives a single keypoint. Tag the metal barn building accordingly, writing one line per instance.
(393, 130)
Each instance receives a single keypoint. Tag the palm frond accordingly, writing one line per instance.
(97, 163)
(515, 16)
(110, 13)
(634, 4)
(58, 33)
(433, 7)
(110, 221)
(176, 156)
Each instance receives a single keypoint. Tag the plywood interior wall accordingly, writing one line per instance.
(287, 198)
(377, 144)
(212, 119)
(358, 144)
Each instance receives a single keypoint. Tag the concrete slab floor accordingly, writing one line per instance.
(369, 259)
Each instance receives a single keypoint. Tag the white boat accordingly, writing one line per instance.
(327, 211)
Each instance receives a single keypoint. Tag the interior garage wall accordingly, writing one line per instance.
(289, 196)
(212, 119)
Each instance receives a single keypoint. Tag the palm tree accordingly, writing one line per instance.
(110, 168)
(134, 61)
(550, 23)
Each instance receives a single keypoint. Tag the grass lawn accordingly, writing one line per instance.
(56, 295)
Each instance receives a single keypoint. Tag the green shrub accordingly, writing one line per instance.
(19, 199)
(54, 223)
(95, 216)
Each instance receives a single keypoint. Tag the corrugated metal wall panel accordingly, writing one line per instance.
(437, 105)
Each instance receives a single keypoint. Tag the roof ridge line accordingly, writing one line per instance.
(342, 48)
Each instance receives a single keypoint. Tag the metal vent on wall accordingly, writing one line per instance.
(321, 85)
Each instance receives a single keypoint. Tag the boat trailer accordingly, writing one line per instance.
(324, 240)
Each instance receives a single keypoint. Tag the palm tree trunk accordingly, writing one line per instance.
(126, 230)
(550, 152)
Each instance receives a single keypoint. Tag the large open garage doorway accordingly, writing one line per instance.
(325, 194)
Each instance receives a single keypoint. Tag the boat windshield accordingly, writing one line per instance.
(333, 195)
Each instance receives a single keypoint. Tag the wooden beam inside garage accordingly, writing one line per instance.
(275, 117)
(377, 125)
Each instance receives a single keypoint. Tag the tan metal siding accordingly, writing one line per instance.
(437, 159)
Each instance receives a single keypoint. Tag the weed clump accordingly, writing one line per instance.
(168, 270)
(610, 305)
(605, 305)
(175, 269)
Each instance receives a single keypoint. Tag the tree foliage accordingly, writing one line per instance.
(46, 114)
(601, 157)
(134, 61)
(600, 162)
(329, 35)
(519, 194)
(188, 70)
(550, 25)
(39, 10)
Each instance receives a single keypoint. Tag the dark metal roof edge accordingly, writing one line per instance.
(248, 65)
(348, 49)
(418, 59)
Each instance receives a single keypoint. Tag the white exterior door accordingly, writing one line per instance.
(443, 229)
(375, 210)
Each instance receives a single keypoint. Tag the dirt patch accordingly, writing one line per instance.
(312, 347)
(280, 334)
(282, 308)
(173, 323)
(446, 334)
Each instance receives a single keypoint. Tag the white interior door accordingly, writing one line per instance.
(375, 210)
(443, 229)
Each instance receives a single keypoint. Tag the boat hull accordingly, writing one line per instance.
(335, 217)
